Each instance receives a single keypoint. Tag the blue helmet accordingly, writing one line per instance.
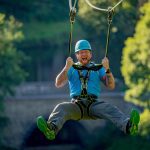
(82, 45)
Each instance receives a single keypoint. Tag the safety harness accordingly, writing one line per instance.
(84, 82)
(84, 78)
(79, 99)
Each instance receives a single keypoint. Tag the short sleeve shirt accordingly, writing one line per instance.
(93, 85)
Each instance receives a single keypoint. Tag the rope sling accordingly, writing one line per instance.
(72, 15)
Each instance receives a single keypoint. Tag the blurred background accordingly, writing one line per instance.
(34, 39)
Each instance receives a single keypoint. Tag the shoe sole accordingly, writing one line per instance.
(134, 119)
(42, 125)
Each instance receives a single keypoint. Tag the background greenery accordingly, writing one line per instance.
(136, 53)
(34, 36)
(11, 72)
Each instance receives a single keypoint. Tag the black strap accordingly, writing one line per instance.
(80, 107)
(81, 104)
(84, 81)
(94, 67)
(88, 108)
(72, 15)
(88, 97)
(109, 18)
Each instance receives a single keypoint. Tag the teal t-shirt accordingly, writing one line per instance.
(93, 85)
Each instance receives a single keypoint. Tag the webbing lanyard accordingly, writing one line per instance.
(109, 18)
(72, 15)
(84, 82)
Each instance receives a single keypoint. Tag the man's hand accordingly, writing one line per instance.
(105, 63)
(69, 63)
(110, 81)
(61, 78)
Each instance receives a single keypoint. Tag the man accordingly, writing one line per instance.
(84, 79)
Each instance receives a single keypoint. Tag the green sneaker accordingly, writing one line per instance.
(43, 127)
(134, 121)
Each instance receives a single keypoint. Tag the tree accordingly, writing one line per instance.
(135, 61)
(11, 60)
(145, 123)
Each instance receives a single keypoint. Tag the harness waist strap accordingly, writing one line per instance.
(85, 96)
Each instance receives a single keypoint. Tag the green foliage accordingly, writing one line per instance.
(135, 61)
(36, 31)
(11, 72)
(145, 123)
(27, 10)
(44, 30)
(96, 28)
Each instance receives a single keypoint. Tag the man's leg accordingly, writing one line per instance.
(47, 130)
(107, 111)
(61, 113)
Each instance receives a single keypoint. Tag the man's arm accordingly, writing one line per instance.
(62, 78)
(109, 80)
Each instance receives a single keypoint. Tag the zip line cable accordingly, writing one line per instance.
(102, 9)
(117, 4)
(97, 8)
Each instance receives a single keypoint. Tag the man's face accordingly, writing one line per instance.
(84, 56)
